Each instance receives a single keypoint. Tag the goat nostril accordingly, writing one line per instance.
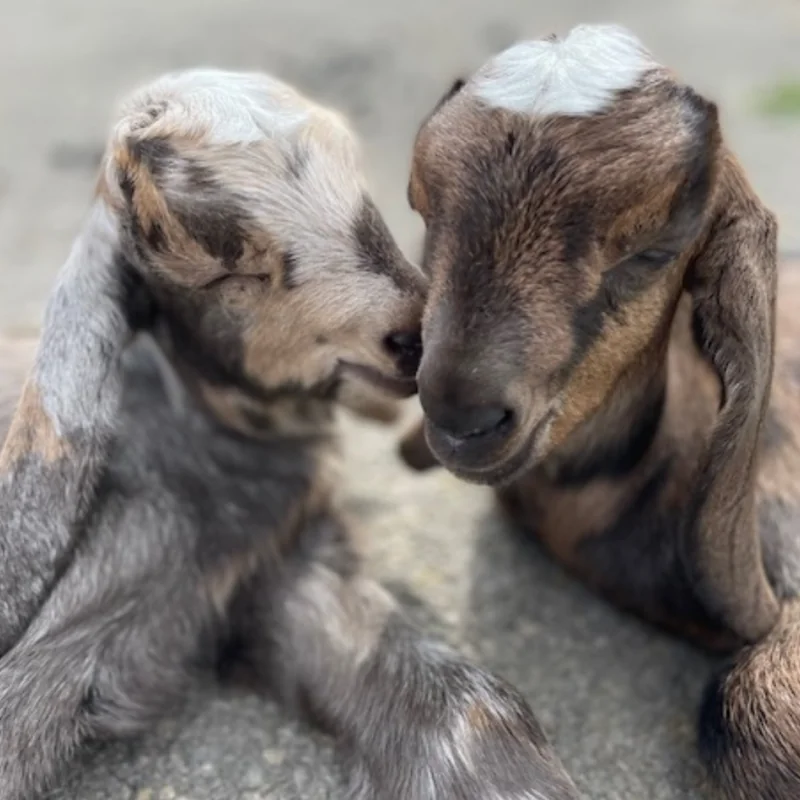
(474, 422)
(403, 343)
(406, 349)
(485, 420)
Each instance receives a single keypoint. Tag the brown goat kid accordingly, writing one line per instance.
(166, 492)
(600, 344)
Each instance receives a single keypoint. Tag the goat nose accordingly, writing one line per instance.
(403, 340)
(406, 349)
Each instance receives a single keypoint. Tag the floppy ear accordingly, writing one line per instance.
(733, 282)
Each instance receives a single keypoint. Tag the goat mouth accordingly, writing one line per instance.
(395, 385)
(467, 460)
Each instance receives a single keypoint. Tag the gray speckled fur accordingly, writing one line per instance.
(121, 619)
(79, 388)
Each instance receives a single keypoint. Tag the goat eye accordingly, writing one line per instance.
(655, 257)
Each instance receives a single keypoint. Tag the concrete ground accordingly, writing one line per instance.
(617, 698)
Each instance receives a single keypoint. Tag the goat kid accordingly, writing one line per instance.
(165, 482)
(600, 345)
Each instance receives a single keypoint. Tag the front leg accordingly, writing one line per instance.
(414, 720)
(109, 669)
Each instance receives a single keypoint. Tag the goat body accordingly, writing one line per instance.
(609, 344)
(166, 480)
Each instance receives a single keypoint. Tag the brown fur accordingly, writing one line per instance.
(33, 431)
(224, 272)
(16, 358)
(610, 281)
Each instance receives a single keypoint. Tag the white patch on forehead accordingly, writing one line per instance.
(224, 107)
(577, 75)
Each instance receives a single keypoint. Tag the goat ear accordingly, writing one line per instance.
(733, 281)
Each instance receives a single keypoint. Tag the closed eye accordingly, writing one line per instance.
(655, 257)
(215, 282)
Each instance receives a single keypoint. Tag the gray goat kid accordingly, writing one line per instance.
(166, 479)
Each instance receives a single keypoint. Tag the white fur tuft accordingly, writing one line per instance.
(577, 75)
(224, 107)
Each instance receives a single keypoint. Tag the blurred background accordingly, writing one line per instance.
(617, 699)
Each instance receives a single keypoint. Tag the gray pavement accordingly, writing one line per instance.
(617, 698)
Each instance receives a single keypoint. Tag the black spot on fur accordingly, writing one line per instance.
(209, 342)
(257, 419)
(211, 216)
(501, 210)
(126, 185)
(577, 226)
(156, 239)
(619, 286)
(91, 700)
(137, 301)
(156, 154)
(492, 237)
(377, 250)
(455, 87)
(511, 141)
(289, 270)
(493, 228)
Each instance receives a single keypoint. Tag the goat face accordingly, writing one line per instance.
(243, 205)
(563, 188)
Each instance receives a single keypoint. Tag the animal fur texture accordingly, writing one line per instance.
(167, 479)
(607, 341)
